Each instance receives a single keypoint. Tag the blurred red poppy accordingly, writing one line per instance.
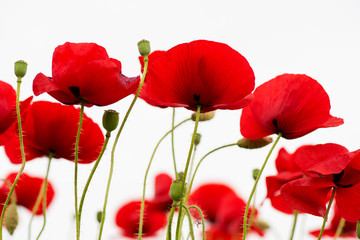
(201, 72)
(328, 166)
(8, 110)
(291, 104)
(26, 191)
(127, 218)
(162, 200)
(51, 128)
(84, 72)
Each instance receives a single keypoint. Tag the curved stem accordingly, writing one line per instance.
(198, 165)
(202, 219)
(327, 213)
(339, 228)
(255, 185)
(45, 195)
(192, 164)
(23, 159)
(107, 137)
(76, 170)
(146, 174)
(172, 141)
(146, 62)
(190, 222)
(179, 223)
(171, 216)
(296, 213)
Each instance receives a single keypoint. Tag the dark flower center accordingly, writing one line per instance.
(337, 177)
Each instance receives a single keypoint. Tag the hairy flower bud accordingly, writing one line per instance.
(254, 143)
(20, 68)
(203, 116)
(144, 48)
(255, 173)
(175, 190)
(11, 218)
(110, 120)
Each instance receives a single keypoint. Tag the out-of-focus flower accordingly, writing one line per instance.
(201, 72)
(162, 200)
(51, 128)
(291, 104)
(84, 72)
(26, 191)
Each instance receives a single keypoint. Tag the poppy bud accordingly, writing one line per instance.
(110, 120)
(262, 225)
(99, 216)
(144, 48)
(203, 116)
(180, 176)
(254, 143)
(197, 139)
(11, 218)
(175, 190)
(255, 173)
(20, 68)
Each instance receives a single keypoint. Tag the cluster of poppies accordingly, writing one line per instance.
(200, 76)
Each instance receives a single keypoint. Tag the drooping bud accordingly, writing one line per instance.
(20, 68)
(176, 193)
(99, 216)
(11, 218)
(203, 116)
(110, 120)
(197, 139)
(254, 143)
(144, 48)
(255, 173)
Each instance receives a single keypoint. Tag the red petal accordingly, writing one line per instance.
(162, 200)
(286, 161)
(348, 201)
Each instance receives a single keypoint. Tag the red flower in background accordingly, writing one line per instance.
(52, 127)
(84, 72)
(287, 171)
(26, 191)
(291, 104)
(328, 166)
(200, 72)
(162, 200)
(8, 110)
(127, 218)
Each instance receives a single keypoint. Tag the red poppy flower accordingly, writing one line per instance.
(328, 166)
(287, 171)
(349, 229)
(84, 72)
(8, 110)
(127, 218)
(26, 191)
(291, 104)
(52, 127)
(162, 200)
(200, 72)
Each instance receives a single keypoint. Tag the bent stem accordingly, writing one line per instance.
(202, 219)
(171, 216)
(255, 185)
(23, 159)
(327, 213)
(179, 222)
(146, 62)
(296, 213)
(190, 222)
(146, 174)
(76, 170)
(339, 228)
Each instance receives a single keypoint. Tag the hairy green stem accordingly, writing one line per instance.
(202, 220)
(296, 213)
(171, 216)
(191, 227)
(172, 142)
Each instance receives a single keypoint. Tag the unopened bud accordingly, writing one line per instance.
(197, 139)
(20, 68)
(144, 48)
(176, 193)
(203, 116)
(11, 218)
(110, 120)
(180, 176)
(254, 143)
(99, 216)
(262, 225)
(255, 173)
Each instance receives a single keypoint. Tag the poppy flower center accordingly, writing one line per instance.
(76, 92)
(337, 177)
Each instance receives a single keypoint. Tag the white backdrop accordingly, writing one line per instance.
(318, 38)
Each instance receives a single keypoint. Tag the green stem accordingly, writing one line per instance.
(45, 195)
(23, 159)
(171, 216)
(146, 62)
(190, 222)
(107, 137)
(339, 228)
(252, 213)
(172, 141)
(296, 213)
(255, 185)
(202, 220)
(327, 213)
(192, 164)
(179, 223)
(76, 170)
(146, 174)
(198, 165)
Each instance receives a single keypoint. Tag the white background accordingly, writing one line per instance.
(318, 38)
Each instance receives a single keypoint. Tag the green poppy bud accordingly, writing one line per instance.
(99, 216)
(144, 48)
(11, 218)
(20, 68)
(203, 116)
(110, 120)
(262, 225)
(175, 190)
(180, 176)
(255, 173)
(254, 143)
(197, 139)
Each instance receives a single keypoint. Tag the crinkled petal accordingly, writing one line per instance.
(348, 201)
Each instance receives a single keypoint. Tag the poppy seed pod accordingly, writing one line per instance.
(11, 218)
(20, 68)
(176, 193)
(110, 120)
(144, 48)
(253, 144)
